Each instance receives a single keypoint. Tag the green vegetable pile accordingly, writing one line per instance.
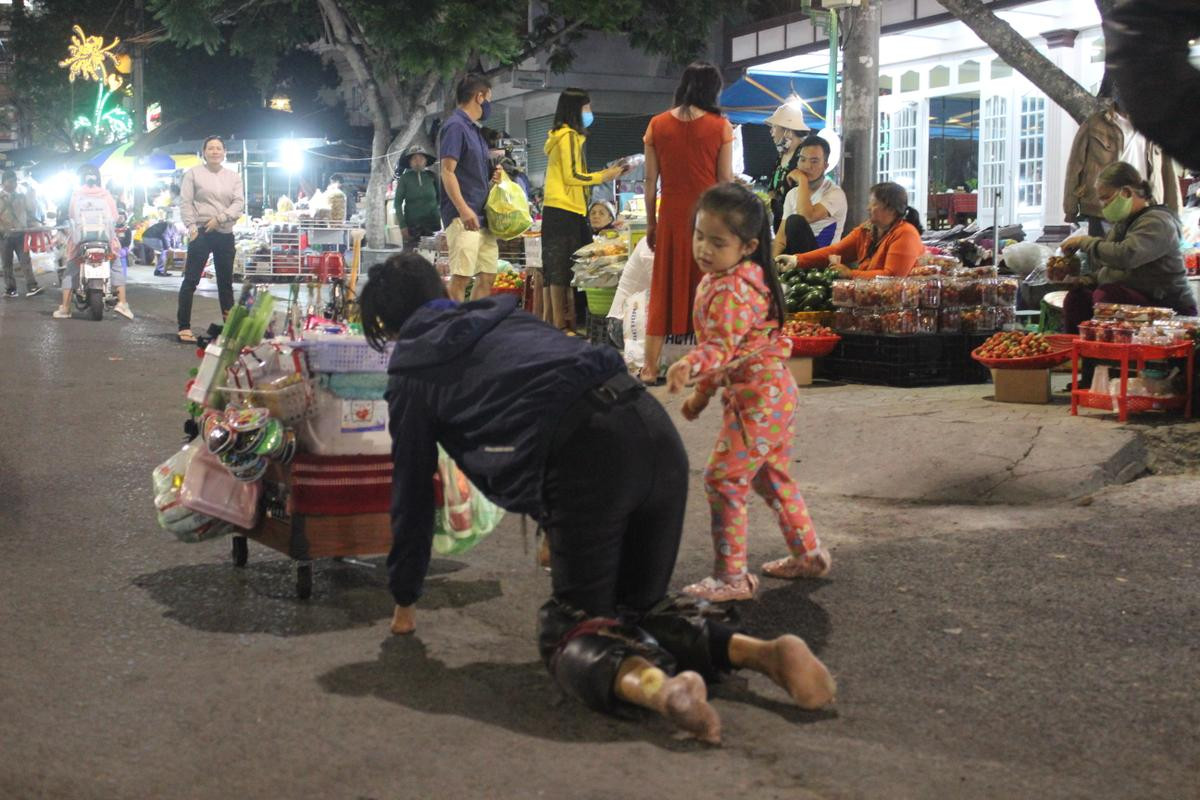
(808, 289)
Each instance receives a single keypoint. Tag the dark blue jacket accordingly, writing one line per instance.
(490, 383)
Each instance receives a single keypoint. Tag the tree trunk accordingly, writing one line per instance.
(1022, 56)
(860, 108)
(353, 50)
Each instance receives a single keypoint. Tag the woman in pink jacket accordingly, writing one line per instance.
(92, 206)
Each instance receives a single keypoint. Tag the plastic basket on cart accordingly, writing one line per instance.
(344, 353)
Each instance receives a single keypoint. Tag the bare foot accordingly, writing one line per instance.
(404, 620)
(685, 704)
(788, 661)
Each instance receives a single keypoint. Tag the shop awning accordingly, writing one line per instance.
(258, 128)
(759, 92)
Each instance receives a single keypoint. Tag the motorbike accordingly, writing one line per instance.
(93, 290)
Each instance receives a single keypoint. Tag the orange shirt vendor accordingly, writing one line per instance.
(888, 243)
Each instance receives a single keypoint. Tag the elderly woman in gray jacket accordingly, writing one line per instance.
(1138, 262)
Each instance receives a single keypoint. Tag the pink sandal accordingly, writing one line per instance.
(716, 590)
(812, 565)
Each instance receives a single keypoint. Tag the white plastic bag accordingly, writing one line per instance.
(43, 263)
(633, 328)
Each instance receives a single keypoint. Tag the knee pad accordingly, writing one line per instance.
(585, 654)
(695, 633)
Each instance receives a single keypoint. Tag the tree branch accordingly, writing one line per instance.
(1022, 56)
(534, 48)
(337, 18)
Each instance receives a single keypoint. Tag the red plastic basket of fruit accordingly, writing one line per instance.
(813, 346)
(1018, 350)
(809, 339)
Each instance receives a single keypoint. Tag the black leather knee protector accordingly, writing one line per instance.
(695, 633)
(585, 654)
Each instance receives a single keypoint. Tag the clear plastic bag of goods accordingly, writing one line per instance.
(463, 516)
(173, 517)
(340, 426)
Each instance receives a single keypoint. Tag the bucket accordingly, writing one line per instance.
(599, 301)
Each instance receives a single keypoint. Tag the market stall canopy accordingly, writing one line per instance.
(757, 94)
(258, 128)
(27, 156)
(116, 158)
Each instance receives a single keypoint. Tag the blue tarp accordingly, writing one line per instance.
(757, 94)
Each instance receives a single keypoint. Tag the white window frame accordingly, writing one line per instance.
(1030, 172)
(993, 152)
(900, 134)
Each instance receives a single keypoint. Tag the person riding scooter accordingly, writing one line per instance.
(92, 216)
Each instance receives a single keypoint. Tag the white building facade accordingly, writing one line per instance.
(1012, 140)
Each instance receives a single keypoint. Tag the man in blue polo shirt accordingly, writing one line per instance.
(466, 180)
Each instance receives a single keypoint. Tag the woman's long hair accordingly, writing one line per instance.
(570, 110)
(746, 216)
(395, 290)
(700, 87)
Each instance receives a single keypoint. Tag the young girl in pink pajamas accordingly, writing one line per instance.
(738, 312)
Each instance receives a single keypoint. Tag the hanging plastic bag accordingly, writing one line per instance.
(463, 515)
(633, 328)
(187, 525)
(507, 209)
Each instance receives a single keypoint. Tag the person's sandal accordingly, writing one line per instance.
(812, 565)
(715, 590)
(187, 337)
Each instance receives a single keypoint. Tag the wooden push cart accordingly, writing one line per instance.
(307, 537)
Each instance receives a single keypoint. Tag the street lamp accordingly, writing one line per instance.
(291, 155)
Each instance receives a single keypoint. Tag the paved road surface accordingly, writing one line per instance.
(1003, 651)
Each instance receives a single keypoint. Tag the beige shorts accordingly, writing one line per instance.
(471, 252)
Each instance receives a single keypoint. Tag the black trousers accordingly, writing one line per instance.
(799, 236)
(220, 246)
(616, 494)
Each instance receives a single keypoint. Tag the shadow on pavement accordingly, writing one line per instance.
(788, 609)
(520, 698)
(261, 598)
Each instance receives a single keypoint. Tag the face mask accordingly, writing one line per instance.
(1118, 208)
(783, 144)
(588, 119)
(485, 110)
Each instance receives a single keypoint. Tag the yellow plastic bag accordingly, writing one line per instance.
(507, 209)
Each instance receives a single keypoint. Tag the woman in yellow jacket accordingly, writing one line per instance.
(564, 213)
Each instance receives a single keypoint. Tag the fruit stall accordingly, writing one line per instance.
(918, 330)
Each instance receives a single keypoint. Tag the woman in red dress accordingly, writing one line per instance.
(690, 148)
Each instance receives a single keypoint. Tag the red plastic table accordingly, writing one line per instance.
(1139, 354)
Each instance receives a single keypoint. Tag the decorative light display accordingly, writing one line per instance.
(88, 57)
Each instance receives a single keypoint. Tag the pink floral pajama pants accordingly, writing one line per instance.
(754, 449)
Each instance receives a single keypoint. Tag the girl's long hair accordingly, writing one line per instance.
(745, 215)
(395, 290)
(700, 87)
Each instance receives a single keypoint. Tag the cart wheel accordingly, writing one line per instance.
(241, 551)
(304, 581)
